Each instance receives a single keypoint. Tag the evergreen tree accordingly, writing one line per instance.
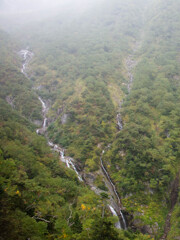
(77, 225)
(103, 230)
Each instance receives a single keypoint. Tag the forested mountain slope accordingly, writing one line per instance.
(146, 151)
(111, 78)
(80, 69)
(40, 198)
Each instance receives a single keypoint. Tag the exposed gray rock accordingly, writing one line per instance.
(37, 123)
(145, 229)
(64, 118)
(40, 131)
(91, 176)
(10, 100)
(60, 110)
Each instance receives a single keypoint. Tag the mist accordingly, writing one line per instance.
(14, 14)
(24, 6)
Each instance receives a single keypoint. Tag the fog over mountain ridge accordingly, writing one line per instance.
(9, 6)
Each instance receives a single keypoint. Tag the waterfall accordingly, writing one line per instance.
(119, 122)
(124, 221)
(44, 123)
(117, 224)
(73, 166)
(118, 117)
(67, 160)
(27, 56)
(114, 190)
(43, 104)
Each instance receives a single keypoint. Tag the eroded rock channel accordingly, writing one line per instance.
(114, 203)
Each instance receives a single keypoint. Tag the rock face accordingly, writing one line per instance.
(10, 101)
(37, 123)
(60, 110)
(90, 176)
(64, 118)
(145, 229)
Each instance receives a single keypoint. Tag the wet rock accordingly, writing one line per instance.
(10, 101)
(145, 229)
(151, 230)
(64, 118)
(60, 110)
(37, 123)
(40, 131)
(89, 178)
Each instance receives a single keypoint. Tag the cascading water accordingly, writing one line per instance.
(67, 160)
(119, 122)
(43, 104)
(118, 117)
(27, 56)
(115, 192)
(55, 147)
(130, 63)
(117, 224)
(44, 111)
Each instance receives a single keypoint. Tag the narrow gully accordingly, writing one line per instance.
(27, 56)
(121, 224)
(122, 220)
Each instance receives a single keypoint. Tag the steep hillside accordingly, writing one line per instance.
(79, 67)
(146, 151)
(110, 79)
(39, 197)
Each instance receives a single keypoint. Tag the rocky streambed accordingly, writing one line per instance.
(113, 201)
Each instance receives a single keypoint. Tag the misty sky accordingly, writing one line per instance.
(14, 6)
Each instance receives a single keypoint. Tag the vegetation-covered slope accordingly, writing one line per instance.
(79, 66)
(147, 149)
(39, 197)
(82, 67)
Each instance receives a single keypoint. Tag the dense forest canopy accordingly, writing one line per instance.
(108, 74)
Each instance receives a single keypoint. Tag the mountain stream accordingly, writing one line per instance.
(114, 206)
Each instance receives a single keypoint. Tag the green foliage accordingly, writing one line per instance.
(76, 225)
(15, 88)
(103, 230)
(75, 64)
(174, 232)
(78, 65)
(37, 192)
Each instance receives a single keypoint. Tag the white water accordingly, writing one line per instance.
(27, 56)
(114, 190)
(43, 104)
(117, 224)
(44, 110)
(118, 117)
(67, 160)
(124, 221)
(119, 122)
(45, 123)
